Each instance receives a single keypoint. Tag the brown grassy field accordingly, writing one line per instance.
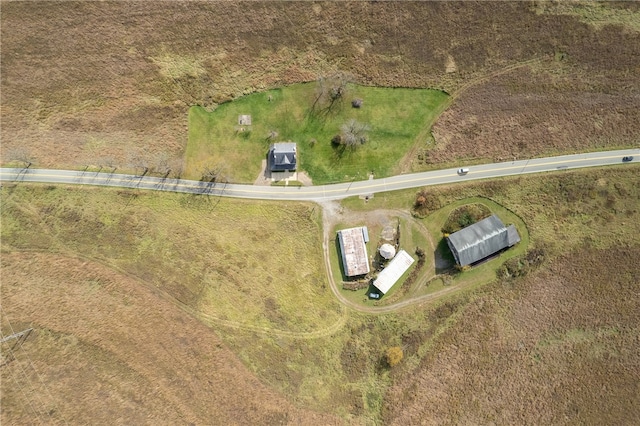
(111, 82)
(108, 350)
(555, 348)
(88, 303)
(552, 107)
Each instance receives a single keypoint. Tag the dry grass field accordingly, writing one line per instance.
(552, 107)
(555, 348)
(110, 350)
(228, 260)
(168, 309)
(111, 82)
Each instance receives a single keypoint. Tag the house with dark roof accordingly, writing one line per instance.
(282, 157)
(481, 240)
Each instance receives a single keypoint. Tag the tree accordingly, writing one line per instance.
(214, 174)
(210, 174)
(138, 161)
(426, 202)
(353, 133)
(177, 168)
(394, 355)
(22, 155)
(159, 163)
(109, 162)
(329, 91)
(272, 135)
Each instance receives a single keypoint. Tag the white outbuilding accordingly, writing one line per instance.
(394, 270)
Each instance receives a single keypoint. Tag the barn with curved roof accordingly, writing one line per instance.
(481, 240)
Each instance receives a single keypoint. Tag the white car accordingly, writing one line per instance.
(463, 171)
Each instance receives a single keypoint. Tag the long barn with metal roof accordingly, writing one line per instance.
(482, 239)
(355, 259)
(394, 270)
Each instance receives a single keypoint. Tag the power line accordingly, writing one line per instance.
(26, 379)
(26, 354)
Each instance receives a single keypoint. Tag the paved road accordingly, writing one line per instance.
(320, 192)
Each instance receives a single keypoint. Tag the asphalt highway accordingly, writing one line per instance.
(321, 192)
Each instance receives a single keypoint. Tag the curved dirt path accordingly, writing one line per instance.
(60, 248)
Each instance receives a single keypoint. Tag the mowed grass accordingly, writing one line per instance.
(396, 116)
(246, 263)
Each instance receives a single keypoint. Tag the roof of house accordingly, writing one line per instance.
(482, 239)
(353, 250)
(282, 156)
(394, 270)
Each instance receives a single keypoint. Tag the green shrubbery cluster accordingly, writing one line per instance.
(464, 216)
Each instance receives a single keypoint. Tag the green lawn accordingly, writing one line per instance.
(396, 116)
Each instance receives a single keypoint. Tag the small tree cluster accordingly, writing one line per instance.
(520, 266)
(354, 133)
(329, 91)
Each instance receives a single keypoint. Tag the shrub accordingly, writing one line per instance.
(520, 266)
(425, 203)
(394, 355)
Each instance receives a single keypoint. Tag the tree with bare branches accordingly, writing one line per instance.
(329, 91)
(21, 155)
(352, 134)
(137, 161)
(213, 173)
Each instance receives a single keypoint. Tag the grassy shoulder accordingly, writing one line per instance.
(396, 117)
(560, 209)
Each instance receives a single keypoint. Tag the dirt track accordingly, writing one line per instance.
(333, 214)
